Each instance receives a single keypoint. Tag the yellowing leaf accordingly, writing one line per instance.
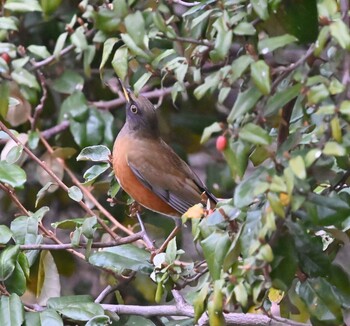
(196, 211)
(275, 295)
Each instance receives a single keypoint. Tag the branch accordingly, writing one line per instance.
(119, 101)
(234, 319)
(65, 246)
(55, 178)
(39, 108)
(86, 192)
(48, 133)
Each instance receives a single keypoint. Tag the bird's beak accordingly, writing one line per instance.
(125, 90)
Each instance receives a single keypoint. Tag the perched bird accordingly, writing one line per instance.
(148, 169)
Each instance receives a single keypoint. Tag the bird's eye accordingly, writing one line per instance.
(133, 108)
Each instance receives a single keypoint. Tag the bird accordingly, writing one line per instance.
(148, 169)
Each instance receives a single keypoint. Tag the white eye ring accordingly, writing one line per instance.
(133, 108)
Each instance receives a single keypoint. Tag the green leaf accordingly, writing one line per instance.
(334, 149)
(5, 234)
(33, 139)
(4, 99)
(48, 283)
(119, 258)
(90, 131)
(63, 301)
(255, 134)
(12, 174)
(69, 82)
(223, 40)
(239, 66)
(25, 229)
(75, 193)
(42, 192)
(14, 154)
(8, 23)
(261, 8)
(120, 62)
(317, 93)
(270, 44)
(89, 226)
(8, 258)
(25, 78)
(81, 311)
(135, 26)
(141, 82)
(261, 76)
(96, 153)
(280, 99)
(68, 224)
(99, 321)
(341, 33)
(61, 40)
(96, 170)
(133, 47)
(78, 39)
(322, 299)
(39, 50)
(89, 55)
(244, 103)
(215, 248)
(244, 28)
(107, 50)
(11, 310)
(199, 302)
(298, 166)
(75, 106)
(208, 131)
(22, 5)
(17, 282)
(46, 317)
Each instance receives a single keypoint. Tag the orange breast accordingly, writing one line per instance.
(129, 182)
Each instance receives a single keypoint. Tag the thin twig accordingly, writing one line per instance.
(39, 108)
(156, 93)
(46, 232)
(86, 192)
(56, 179)
(48, 133)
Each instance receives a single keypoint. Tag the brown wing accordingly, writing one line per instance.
(162, 171)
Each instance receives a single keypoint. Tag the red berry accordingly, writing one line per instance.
(6, 57)
(221, 143)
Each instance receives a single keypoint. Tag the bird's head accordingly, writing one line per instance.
(141, 114)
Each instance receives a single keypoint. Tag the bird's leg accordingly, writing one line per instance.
(145, 237)
(171, 235)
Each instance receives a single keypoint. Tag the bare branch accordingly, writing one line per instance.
(39, 108)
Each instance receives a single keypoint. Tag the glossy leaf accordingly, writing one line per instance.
(117, 259)
(12, 174)
(271, 44)
(261, 76)
(8, 258)
(244, 103)
(95, 171)
(75, 193)
(68, 82)
(96, 153)
(254, 134)
(215, 248)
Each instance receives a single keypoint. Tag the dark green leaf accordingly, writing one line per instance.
(8, 258)
(261, 76)
(244, 103)
(280, 99)
(17, 282)
(96, 170)
(267, 45)
(255, 134)
(69, 82)
(4, 99)
(90, 131)
(74, 106)
(122, 257)
(215, 248)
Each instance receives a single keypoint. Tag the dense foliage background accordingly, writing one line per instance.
(253, 93)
